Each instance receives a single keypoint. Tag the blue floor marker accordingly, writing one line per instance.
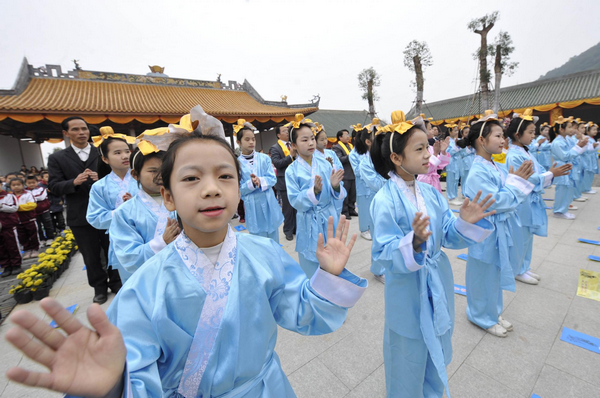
(459, 289)
(71, 309)
(549, 200)
(84, 267)
(462, 256)
(535, 396)
(240, 228)
(595, 258)
(598, 227)
(591, 242)
(548, 208)
(581, 340)
(455, 211)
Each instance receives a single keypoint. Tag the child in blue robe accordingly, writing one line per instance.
(489, 269)
(200, 318)
(532, 212)
(542, 147)
(312, 188)
(115, 186)
(453, 170)
(364, 195)
(590, 160)
(263, 214)
(142, 226)
(563, 152)
(413, 223)
(329, 155)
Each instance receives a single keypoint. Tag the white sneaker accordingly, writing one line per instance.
(580, 199)
(573, 207)
(26, 254)
(590, 192)
(566, 216)
(534, 275)
(380, 278)
(525, 278)
(366, 235)
(456, 202)
(49, 242)
(497, 330)
(505, 324)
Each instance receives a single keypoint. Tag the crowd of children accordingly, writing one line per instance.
(199, 308)
(33, 223)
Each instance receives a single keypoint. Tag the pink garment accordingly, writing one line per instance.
(435, 163)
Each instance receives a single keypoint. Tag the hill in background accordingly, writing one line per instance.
(587, 60)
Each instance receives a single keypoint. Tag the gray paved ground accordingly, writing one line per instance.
(349, 362)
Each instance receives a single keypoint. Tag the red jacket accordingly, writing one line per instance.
(40, 194)
(8, 210)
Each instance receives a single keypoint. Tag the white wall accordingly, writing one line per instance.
(11, 157)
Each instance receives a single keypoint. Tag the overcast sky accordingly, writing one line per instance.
(294, 48)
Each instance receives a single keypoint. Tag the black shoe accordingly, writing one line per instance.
(7, 272)
(348, 217)
(115, 289)
(100, 298)
(354, 213)
(289, 237)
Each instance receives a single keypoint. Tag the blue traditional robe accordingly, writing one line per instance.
(337, 165)
(576, 174)
(468, 154)
(453, 170)
(313, 211)
(532, 212)
(105, 196)
(197, 329)
(419, 287)
(564, 152)
(590, 165)
(489, 269)
(541, 151)
(263, 214)
(136, 232)
(364, 195)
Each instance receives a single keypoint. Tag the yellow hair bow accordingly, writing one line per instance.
(107, 132)
(318, 128)
(425, 118)
(375, 124)
(488, 112)
(357, 127)
(300, 119)
(578, 121)
(241, 123)
(527, 115)
(159, 139)
(450, 125)
(563, 120)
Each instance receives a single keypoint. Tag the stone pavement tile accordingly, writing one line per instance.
(371, 305)
(553, 383)
(372, 387)
(569, 255)
(577, 361)
(468, 382)
(465, 338)
(296, 350)
(516, 360)
(538, 307)
(542, 245)
(357, 355)
(315, 380)
(558, 277)
(572, 235)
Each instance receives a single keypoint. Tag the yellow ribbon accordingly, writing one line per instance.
(357, 127)
(318, 128)
(374, 123)
(241, 123)
(563, 120)
(300, 119)
(284, 148)
(107, 132)
(425, 118)
(152, 141)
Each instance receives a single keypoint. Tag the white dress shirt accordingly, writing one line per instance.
(83, 153)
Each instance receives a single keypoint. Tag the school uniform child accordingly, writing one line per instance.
(327, 154)
(413, 223)
(200, 318)
(115, 185)
(312, 187)
(42, 211)
(532, 211)
(489, 269)
(590, 160)
(453, 169)
(27, 229)
(563, 152)
(10, 254)
(262, 212)
(437, 161)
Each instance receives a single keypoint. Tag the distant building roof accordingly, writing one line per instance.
(335, 120)
(542, 95)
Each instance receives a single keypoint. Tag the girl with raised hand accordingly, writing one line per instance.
(263, 214)
(413, 223)
(532, 211)
(200, 318)
(438, 159)
(563, 152)
(114, 187)
(329, 155)
(590, 160)
(143, 226)
(489, 269)
(313, 187)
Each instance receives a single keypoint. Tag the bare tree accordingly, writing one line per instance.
(416, 57)
(500, 51)
(368, 79)
(482, 26)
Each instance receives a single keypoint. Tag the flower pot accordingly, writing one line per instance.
(23, 297)
(41, 292)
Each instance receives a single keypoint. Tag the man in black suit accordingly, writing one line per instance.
(342, 150)
(281, 161)
(72, 173)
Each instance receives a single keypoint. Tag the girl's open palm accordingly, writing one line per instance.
(83, 363)
(474, 211)
(336, 178)
(333, 257)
